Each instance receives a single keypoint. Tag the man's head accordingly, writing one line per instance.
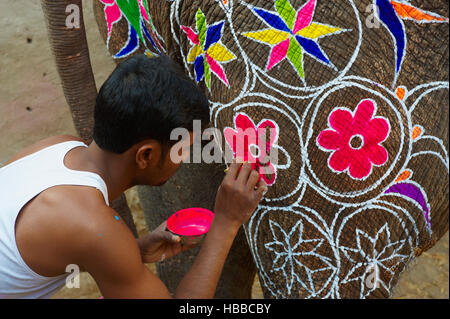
(139, 105)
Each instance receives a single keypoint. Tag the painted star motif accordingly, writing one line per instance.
(207, 52)
(292, 33)
(370, 253)
(289, 254)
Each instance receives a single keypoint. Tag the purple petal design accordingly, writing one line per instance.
(412, 191)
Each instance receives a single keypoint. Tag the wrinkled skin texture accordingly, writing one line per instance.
(336, 218)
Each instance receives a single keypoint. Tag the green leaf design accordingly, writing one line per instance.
(201, 27)
(207, 75)
(130, 8)
(286, 11)
(295, 55)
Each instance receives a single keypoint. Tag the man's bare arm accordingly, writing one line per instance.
(115, 262)
(110, 253)
(236, 201)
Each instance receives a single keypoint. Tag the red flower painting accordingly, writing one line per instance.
(253, 143)
(354, 140)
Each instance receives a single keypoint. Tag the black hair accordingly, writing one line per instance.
(146, 98)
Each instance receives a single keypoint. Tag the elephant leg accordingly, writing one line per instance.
(195, 185)
(71, 52)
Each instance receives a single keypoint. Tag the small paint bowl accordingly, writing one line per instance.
(191, 224)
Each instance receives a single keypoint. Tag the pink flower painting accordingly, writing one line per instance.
(355, 140)
(253, 143)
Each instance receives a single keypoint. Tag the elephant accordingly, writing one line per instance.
(355, 96)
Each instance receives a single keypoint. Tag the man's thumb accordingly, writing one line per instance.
(168, 236)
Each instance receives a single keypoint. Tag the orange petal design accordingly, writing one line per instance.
(400, 92)
(407, 11)
(403, 176)
(417, 131)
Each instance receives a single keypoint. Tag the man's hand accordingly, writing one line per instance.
(239, 194)
(159, 245)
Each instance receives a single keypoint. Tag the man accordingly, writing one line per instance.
(56, 194)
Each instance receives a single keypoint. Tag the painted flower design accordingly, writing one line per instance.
(291, 34)
(136, 13)
(391, 14)
(354, 140)
(372, 256)
(291, 250)
(207, 52)
(253, 143)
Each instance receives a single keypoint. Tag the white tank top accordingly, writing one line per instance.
(20, 182)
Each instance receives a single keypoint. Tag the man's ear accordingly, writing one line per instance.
(144, 155)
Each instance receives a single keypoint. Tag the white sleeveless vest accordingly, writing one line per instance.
(20, 182)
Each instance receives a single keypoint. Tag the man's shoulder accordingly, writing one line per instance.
(61, 226)
(79, 218)
(43, 144)
(91, 230)
(80, 206)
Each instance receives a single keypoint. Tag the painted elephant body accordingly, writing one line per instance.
(356, 96)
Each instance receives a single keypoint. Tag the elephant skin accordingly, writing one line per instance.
(357, 95)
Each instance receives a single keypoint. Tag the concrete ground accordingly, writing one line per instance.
(32, 107)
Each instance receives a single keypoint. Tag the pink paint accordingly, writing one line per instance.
(191, 35)
(217, 69)
(362, 125)
(304, 16)
(112, 13)
(278, 53)
(247, 134)
(143, 11)
(190, 221)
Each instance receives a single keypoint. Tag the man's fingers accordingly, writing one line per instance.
(163, 226)
(175, 238)
(169, 237)
(261, 189)
(253, 179)
(244, 173)
(233, 169)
